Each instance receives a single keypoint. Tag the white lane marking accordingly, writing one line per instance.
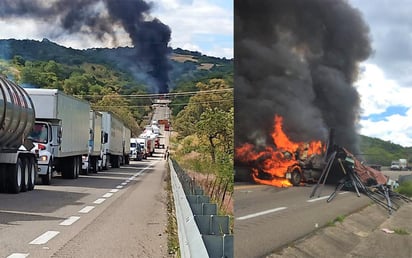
(17, 255)
(324, 197)
(44, 238)
(131, 178)
(119, 186)
(114, 190)
(70, 221)
(261, 213)
(107, 195)
(124, 183)
(318, 199)
(99, 201)
(86, 209)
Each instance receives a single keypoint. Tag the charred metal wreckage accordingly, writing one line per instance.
(347, 172)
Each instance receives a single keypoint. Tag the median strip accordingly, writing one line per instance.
(260, 213)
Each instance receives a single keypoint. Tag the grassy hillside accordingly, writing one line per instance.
(185, 65)
(105, 77)
(377, 151)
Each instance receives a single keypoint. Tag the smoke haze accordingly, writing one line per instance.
(103, 19)
(298, 59)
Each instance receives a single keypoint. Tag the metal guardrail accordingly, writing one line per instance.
(202, 233)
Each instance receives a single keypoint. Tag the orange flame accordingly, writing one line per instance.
(275, 163)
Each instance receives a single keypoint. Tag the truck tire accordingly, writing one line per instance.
(47, 178)
(115, 161)
(24, 174)
(15, 176)
(32, 173)
(77, 166)
(296, 177)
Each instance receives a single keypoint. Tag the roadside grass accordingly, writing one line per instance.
(339, 219)
(172, 233)
(401, 231)
(405, 188)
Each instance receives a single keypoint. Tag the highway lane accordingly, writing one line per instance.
(50, 221)
(268, 218)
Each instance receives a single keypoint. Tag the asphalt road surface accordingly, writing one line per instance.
(115, 213)
(268, 218)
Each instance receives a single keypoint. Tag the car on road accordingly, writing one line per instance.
(395, 165)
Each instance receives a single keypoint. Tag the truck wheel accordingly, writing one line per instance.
(47, 178)
(296, 177)
(115, 160)
(76, 166)
(95, 164)
(15, 176)
(32, 174)
(24, 174)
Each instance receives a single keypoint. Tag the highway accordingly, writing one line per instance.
(268, 218)
(115, 213)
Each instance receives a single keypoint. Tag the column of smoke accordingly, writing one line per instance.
(298, 59)
(100, 18)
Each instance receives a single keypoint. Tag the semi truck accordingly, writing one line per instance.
(18, 164)
(60, 133)
(136, 150)
(92, 162)
(113, 150)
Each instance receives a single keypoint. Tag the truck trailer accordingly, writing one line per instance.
(92, 162)
(18, 164)
(112, 128)
(60, 133)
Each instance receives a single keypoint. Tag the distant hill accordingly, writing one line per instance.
(377, 151)
(185, 65)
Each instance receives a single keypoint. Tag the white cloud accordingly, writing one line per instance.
(200, 23)
(377, 94)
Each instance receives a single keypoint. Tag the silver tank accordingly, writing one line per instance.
(17, 115)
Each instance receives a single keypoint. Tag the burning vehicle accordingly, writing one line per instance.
(286, 163)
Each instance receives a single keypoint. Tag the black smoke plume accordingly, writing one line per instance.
(298, 59)
(101, 18)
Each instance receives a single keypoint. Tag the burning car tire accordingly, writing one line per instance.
(296, 177)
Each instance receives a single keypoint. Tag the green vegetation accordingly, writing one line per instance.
(401, 231)
(405, 188)
(377, 151)
(105, 77)
(203, 138)
(339, 219)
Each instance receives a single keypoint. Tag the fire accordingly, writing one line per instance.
(275, 163)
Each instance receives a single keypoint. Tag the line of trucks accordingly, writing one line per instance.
(144, 145)
(44, 131)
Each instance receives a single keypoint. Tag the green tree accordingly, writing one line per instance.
(216, 127)
(215, 94)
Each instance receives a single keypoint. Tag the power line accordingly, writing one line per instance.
(165, 95)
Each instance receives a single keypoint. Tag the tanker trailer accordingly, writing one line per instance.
(18, 164)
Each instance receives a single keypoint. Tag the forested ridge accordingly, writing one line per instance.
(377, 151)
(108, 78)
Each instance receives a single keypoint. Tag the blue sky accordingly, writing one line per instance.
(385, 81)
(199, 25)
